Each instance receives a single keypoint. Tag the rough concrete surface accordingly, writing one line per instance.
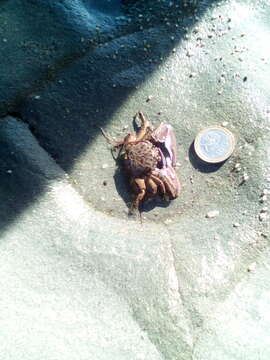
(80, 279)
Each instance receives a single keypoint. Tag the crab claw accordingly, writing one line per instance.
(171, 181)
(164, 138)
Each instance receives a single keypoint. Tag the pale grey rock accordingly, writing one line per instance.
(212, 214)
(79, 278)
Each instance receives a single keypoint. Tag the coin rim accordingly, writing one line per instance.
(218, 159)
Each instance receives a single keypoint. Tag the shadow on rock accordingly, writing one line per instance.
(122, 184)
(201, 165)
(151, 203)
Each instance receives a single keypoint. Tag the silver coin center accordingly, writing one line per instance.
(215, 144)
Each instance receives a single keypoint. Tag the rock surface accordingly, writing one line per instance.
(79, 279)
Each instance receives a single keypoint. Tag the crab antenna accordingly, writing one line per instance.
(115, 144)
(141, 116)
(109, 140)
(119, 143)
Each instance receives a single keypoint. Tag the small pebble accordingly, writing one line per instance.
(263, 198)
(245, 78)
(167, 221)
(236, 225)
(150, 97)
(211, 214)
(104, 166)
(251, 267)
(225, 123)
(245, 177)
(263, 216)
(104, 183)
(9, 171)
(193, 74)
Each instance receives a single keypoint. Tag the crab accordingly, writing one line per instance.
(150, 161)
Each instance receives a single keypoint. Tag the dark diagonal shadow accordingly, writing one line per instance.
(66, 103)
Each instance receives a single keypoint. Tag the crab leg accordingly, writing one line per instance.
(145, 125)
(142, 189)
(151, 186)
(159, 183)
